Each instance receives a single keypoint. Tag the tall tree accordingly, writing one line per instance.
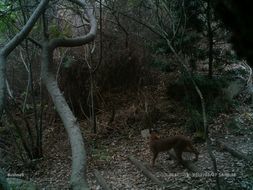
(78, 179)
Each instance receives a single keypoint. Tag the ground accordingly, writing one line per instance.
(109, 149)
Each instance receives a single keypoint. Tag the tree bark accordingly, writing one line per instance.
(78, 173)
(210, 40)
(78, 179)
(213, 159)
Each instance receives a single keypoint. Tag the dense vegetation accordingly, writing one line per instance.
(109, 70)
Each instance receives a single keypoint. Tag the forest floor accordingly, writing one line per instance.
(109, 149)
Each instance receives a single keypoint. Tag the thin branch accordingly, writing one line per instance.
(60, 63)
(20, 36)
(78, 41)
(101, 37)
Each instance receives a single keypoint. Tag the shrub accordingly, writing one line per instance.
(212, 90)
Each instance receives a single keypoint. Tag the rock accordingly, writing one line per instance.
(145, 133)
(19, 184)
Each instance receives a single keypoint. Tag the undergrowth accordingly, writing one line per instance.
(214, 97)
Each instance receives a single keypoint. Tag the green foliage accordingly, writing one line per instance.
(219, 104)
(7, 17)
(160, 47)
(161, 64)
(132, 3)
(236, 72)
(56, 30)
(212, 90)
(193, 11)
(68, 61)
(187, 40)
(123, 69)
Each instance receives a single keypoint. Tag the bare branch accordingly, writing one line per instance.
(72, 42)
(19, 37)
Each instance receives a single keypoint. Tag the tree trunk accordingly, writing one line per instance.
(210, 40)
(2, 81)
(78, 178)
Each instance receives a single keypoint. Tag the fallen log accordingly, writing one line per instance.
(233, 152)
(145, 171)
(101, 180)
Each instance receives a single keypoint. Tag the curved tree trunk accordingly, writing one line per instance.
(78, 179)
